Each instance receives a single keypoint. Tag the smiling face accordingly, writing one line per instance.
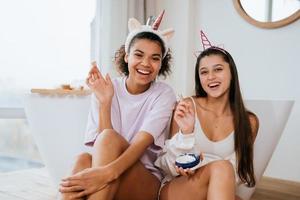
(144, 62)
(215, 75)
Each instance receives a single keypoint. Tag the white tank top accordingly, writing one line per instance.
(196, 143)
(223, 148)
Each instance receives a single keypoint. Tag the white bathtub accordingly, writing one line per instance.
(58, 124)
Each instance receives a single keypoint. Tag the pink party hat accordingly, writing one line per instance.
(206, 44)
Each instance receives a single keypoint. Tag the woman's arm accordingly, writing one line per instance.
(104, 92)
(105, 116)
(174, 128)
(183, 118)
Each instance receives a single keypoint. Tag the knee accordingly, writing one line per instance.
(109, 138)
(222, 169)
(84, 159)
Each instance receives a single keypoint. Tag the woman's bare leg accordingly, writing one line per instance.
(83, 161)
(222, 181)
(213, 181)
(108, 147)
(136, 183)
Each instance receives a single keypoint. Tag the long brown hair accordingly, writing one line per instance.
(243, 137)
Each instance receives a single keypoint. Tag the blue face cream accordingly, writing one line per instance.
(187, 160)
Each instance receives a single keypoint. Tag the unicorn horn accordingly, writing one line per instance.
(205, 42)
(158, 20)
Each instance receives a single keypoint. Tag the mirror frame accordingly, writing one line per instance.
(269, 25)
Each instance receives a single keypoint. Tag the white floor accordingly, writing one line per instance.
(32, 184)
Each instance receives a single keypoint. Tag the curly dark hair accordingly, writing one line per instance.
(122, 66)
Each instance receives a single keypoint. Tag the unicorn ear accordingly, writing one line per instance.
(168, 33)
(133, 24)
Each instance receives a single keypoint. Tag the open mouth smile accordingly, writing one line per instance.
(214, 85)
(143, 72)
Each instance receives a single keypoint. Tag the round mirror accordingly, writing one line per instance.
(268, 13)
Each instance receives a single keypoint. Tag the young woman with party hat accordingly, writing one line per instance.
(128, 122)
(216, 124)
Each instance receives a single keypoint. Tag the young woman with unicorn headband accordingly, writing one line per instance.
(216, 124)
(128, 122)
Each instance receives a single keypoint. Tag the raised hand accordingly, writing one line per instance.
(102, 87)
(185, 117)
(85, 182)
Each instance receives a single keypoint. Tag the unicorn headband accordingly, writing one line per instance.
(206, 43)
(135, 28)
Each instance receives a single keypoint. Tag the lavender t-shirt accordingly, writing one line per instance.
(149, 111)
